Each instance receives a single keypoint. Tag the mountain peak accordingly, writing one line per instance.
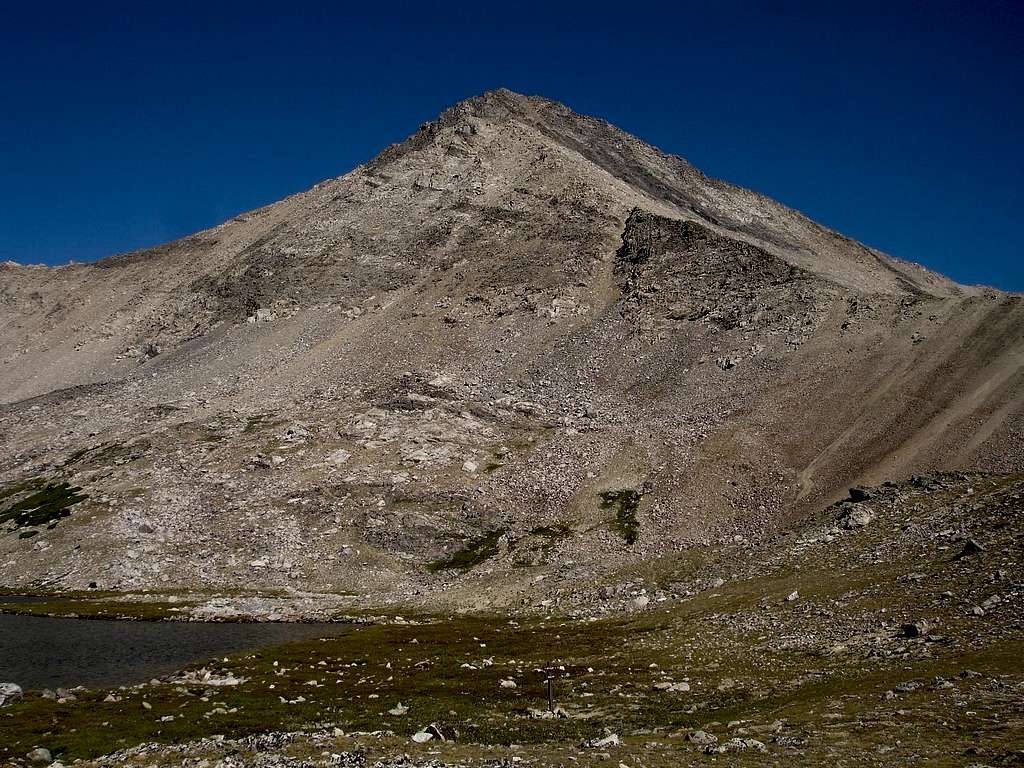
(643, 176)
(520, 320)
(497, 97)
(502, 103)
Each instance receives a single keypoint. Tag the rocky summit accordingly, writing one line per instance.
(524, 364)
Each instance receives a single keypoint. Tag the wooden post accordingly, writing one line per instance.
(550, 673)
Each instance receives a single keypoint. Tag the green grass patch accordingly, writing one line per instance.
(44, 506)
(87, 608)
(625, 503)
(554, 531)
(17, 488)
(472, 554)
(535, 548)
(259, 422)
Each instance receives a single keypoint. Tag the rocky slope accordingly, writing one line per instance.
(880, 632)
(501, 364)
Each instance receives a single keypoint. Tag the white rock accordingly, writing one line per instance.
(339, 456)
(611, 740)
(40, 755)
(9, 692)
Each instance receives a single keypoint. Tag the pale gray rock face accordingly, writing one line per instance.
(9, 692)
(508, 359)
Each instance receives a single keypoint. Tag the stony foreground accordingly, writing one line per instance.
(885, 631)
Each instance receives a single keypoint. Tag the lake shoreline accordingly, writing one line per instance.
(38, 652)
(189, 607)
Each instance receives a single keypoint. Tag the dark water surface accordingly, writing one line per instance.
(24, 599)
(47, 652)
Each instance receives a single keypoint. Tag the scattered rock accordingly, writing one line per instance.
(549, 714)
(206, 677)
(40, 755)
(738, 745)
(608, 740)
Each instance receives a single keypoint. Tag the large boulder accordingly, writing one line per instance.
(855, 516)
(40, 755)
(9, 692)
(918, 628)
(860, 494)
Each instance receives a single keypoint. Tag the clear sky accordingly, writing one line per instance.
(124, 125)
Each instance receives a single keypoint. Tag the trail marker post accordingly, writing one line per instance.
(549, 678)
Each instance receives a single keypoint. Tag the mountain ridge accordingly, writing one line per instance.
(506, 105)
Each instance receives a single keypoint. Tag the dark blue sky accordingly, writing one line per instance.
(124, 125)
